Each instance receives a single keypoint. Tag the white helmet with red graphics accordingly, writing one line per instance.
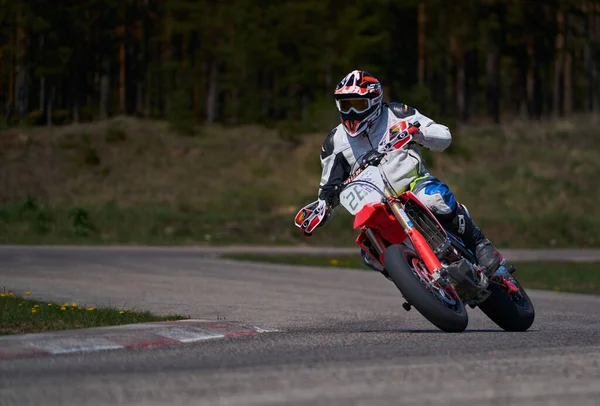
(359, 99)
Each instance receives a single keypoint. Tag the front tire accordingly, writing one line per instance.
(514, 313)
(451, 318)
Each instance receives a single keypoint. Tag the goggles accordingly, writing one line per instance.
(358, 105)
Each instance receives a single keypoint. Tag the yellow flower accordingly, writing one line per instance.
(334, 262)
(33, 310)
(36, 306)
(90, 309)
(3, 294)
(49, 304)
(63, 308)
(73, 304)
(20, 304)
(28, 293)
(121, 312)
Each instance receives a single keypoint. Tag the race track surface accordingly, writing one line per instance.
(344, 339)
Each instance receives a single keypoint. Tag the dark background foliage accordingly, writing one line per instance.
(266, 61)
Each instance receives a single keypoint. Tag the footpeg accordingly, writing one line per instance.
(406, 306)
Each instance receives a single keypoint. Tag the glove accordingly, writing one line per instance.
(397, 136)
(312, 216)
(331, 195)
(412, 130)
(373, 157)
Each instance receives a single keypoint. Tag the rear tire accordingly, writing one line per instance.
(510, 314)
(398, 263)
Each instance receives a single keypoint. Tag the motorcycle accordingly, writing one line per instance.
(431, 267)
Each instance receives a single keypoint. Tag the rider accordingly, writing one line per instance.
(365, 120)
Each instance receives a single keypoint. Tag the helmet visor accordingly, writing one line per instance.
(358, 105)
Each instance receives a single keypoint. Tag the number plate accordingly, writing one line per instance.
(357, 195)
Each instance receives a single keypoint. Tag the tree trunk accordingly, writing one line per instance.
(211, 98)
(492, 78)
(197, 83)
(42, 81)
(444, 86)
(11, 80)
(529, 80)
(21, 93)
(567, 77)
(568, 85)
(596, 36)
(147, 86)
(75, 92)
(141, 63)
(122, 67)
(588, 58)
(2, 90)
(50, 104)
(104, 88)
(459, 89)
(194, 69)
(421, 43)
(76, 111)
(42, 94)
(167, 55)
(558, 62)
(329, 80)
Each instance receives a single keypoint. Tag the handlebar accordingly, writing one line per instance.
(374, 157)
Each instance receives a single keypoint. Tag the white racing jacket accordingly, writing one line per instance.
(340, 152)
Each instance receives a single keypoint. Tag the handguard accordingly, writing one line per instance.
(312, 216)
(398, 136)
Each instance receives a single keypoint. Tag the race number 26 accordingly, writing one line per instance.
(357, 192)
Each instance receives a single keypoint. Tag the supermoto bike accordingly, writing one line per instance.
(431, 267)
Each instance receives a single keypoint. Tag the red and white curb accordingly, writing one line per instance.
(121, 337)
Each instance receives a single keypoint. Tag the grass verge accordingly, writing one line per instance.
(579, 277)
(19, 315)
(128, 181)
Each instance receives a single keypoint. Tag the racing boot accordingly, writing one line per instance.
(488, 255)
(463, 226)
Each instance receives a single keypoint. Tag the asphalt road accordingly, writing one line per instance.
(344, 339)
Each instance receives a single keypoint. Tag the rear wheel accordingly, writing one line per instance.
(513, 312)
(440, 305)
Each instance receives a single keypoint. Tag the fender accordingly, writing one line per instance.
(377, 216)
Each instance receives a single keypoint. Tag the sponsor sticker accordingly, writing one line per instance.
(406, 218)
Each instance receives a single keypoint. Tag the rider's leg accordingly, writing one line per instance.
(440, 200)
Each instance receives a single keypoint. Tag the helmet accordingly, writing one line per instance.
(358, 98)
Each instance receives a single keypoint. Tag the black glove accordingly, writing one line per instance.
(331, 195)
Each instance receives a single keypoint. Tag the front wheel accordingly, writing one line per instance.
(441, 307)
(511, 313)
